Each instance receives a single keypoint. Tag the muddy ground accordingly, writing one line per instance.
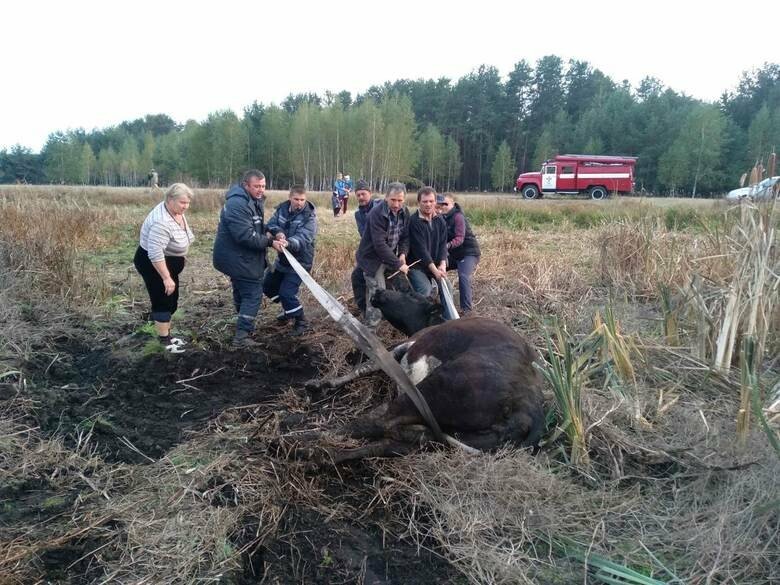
(138, 405)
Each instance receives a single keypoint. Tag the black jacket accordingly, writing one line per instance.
(427, 242)
(461, 241)
(374, 249)
(241, 244)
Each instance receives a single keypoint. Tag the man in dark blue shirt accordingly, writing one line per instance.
(294, 226)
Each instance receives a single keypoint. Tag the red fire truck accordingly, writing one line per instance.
(598, 176)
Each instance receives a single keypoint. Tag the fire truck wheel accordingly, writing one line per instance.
(598, 193)
(530, 192)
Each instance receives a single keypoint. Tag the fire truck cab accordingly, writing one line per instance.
(594, 175)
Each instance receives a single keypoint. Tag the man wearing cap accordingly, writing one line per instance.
(365, 204)
(384, 244)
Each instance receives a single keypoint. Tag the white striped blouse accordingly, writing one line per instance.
(161, 236)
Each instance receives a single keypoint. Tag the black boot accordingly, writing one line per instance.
(301, 326)
(243, 339)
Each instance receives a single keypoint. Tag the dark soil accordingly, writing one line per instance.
(313, 548)
(315, 551)
(149, 401)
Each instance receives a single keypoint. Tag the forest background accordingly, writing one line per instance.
(474, 134)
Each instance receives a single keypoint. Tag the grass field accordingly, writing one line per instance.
(121, 464)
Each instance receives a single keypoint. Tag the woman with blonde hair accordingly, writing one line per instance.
(160, 257)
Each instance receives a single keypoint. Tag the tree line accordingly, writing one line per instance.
(476, 133)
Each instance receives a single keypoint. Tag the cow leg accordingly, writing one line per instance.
(309, 449)
(400, 440)
(383, 448)
(362, 370)
(374, 427)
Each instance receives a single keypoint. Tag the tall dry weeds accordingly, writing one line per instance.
(44, 241)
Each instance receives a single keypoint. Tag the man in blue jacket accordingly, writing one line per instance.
(293, 226)
(240, 249)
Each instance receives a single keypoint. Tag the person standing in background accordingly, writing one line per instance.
(347, 192)
(339, 189)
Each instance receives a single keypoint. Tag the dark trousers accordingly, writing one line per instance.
(335, 203)
(247, 295)
(163, 306)
(283, 287)
(343, 203)
(359, 289)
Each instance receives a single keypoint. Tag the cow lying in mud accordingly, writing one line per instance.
(477, 376)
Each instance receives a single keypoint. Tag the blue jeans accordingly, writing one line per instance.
(247, 294)
(466, 268)
(283, 287)
(421, 283)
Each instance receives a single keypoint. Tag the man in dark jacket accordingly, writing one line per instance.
(384, 245)
(462, 246)
(365, 205)
(294, 226)
(427, 246)
(240, 249)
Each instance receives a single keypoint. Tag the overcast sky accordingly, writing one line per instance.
(84, 64)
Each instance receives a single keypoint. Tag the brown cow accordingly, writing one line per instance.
(476, 374)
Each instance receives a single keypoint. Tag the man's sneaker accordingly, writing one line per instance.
(178, 341)
(243, 339)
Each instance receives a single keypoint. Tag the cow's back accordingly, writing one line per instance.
(473, 334)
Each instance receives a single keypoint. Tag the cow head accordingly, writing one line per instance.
(409, 312)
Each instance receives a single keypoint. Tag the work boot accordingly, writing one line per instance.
(243, 339)
(301, 326)
(282, 317)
